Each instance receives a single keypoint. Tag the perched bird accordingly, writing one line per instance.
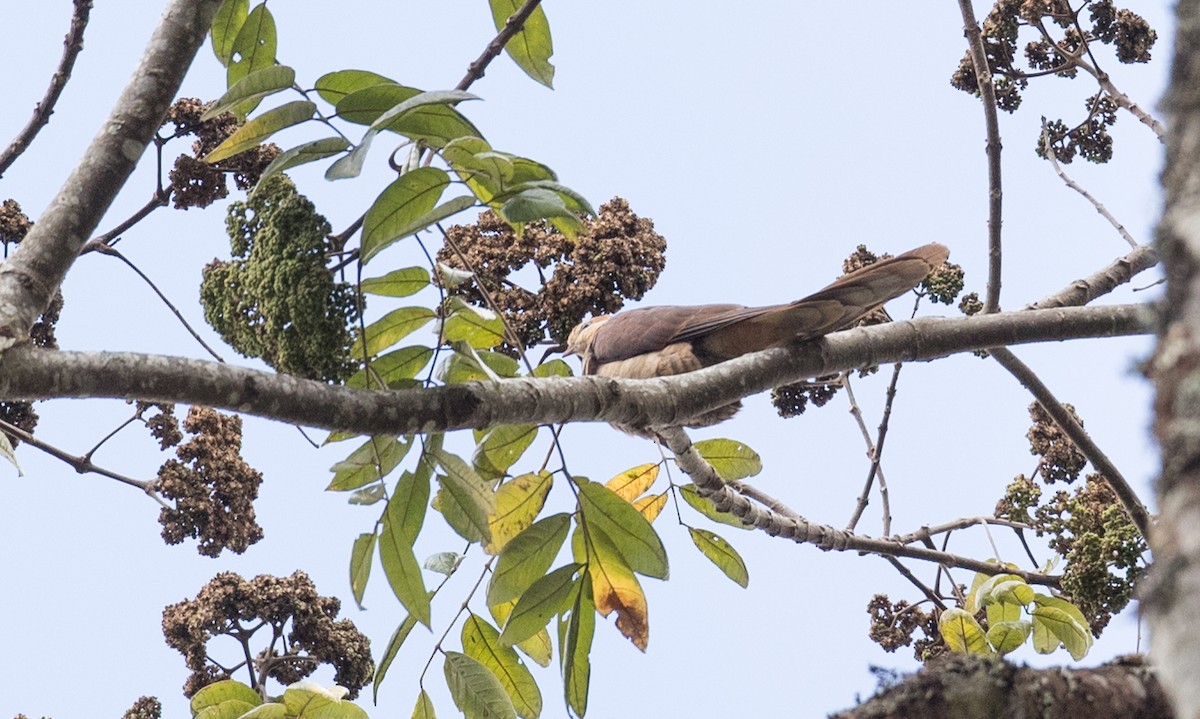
(658, 341)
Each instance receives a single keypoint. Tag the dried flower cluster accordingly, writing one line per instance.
(197, 183)
(617, 257)
(303, 630)
(212, 486)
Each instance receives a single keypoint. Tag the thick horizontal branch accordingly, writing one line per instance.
(29, 373)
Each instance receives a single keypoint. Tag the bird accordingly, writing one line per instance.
(667, 340)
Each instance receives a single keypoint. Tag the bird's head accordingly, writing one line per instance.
(581, 337)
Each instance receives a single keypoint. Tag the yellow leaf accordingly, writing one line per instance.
(616, 589)
(651, 506)
(518, 502)
(630, 484)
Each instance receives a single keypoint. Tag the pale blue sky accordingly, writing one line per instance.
(766, 140)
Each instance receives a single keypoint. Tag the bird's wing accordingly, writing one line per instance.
(650, 329)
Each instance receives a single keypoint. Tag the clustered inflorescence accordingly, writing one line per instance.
(303, 627)
(618, 256)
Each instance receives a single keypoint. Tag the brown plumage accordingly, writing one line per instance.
(659, 341)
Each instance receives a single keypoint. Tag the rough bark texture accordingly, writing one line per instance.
(969, 687)
(1172, 596)
(29, 373)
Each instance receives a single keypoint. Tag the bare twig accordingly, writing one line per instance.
(1048, 147)
(72, 45)
(864, 497)
(511, 27)
(929, 593)
(987, 93)
(160, 199)
(925, 534)
(82, 465)
(104, 249)
(1128, 497)
(1120, 271)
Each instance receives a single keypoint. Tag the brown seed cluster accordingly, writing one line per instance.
(895, 625)
(302, 631)
(212, 486)
(144, 708)
(617, 257)
(14, 224)
(197, 183)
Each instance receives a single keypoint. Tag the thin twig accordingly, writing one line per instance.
(107, 250)
(1128, 497)
(113, 236)
(72, 45)
(511, 27)
(1048, 147)
(987, 93)
(929, 593)
(927, 533)
(82, 465)
(864, 497)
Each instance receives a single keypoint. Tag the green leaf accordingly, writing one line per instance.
(401, 524)
(333, 86)
(539, 603)
(553, 368)
(226, 23)
(435, 125)
(350, 165)
(270, 710)
(469, 492)
(460, 368)
(371, 462)
(447, 209)
(479, 327)
(410, 196)
(389, 654)
(526, 171)
(1013, 591)
(531, 46)
(962, 633)
(253, 49)
(721, 554)
(702, 505)
(252, 134)
(1045, 600)
(486, 172)
(392, 368)
(574, 201)
(481, 642)
(629, 531)
(303, 154)
(518, 503)
(1002, 612)
(537, 647)
(1006, 637)
(255, 86)
(361, 557)
(424, 707)
(398, 283)
(423, 99)
(223, 691)
(476, 691)
(226, 710)
(391, 328)
(502, 446)
(527, 557)
(306, 700)
(368, 495)
(535, 203)
(575, 632)
(732, 460)
(443, 562)
(1062, 625)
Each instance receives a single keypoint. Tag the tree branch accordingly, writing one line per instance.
(802, 531)
(29, 373)
(72, 45)
(987, 93)
(31, 276)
